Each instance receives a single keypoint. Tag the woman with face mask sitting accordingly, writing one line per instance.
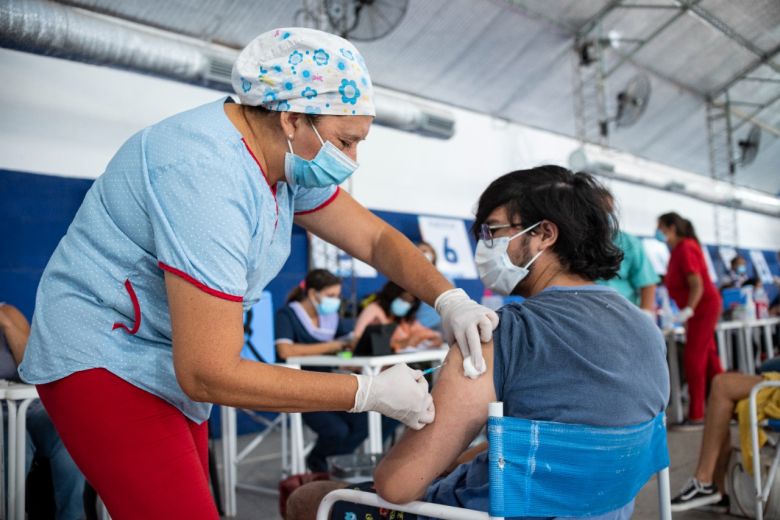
(395, 305)
(309, 325)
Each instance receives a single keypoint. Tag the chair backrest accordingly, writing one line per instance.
(259, 331)
(540, 468)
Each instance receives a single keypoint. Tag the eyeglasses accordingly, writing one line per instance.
(486, 231)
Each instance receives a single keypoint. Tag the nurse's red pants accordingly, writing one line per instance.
(143, 456)
(700, 356)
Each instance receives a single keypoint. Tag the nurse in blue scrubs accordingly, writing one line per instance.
(138, 320)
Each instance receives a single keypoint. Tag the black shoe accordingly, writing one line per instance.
(719, 507)
(316, 464)
(695, 495)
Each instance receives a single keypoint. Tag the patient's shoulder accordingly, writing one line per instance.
(513, 321)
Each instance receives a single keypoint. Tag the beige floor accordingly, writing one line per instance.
(260, 471)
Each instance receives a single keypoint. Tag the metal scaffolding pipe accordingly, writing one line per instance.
(52, 29)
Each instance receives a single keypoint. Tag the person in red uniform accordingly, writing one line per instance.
(689, 284)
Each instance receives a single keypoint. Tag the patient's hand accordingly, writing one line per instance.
(421, 456)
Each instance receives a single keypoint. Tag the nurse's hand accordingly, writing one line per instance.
(399, 392)
(468, 324)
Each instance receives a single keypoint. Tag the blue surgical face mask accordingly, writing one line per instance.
(328, 305)
(330, 166)
(660, 236)
(400, 307)
(741, 269)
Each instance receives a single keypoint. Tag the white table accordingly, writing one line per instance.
(294, 446)
(747, 358)
(766, 324)
(746, 355)
(370, 366)
(18, 397)
(675, 399)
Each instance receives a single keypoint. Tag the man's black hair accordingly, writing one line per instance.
(575, 202)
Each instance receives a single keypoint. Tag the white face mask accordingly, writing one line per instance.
(495, 269)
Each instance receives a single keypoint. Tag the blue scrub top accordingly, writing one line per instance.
(635, 272)
(186, 196)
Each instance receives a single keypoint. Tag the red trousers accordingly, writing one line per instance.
(142, 455)
(701, 354)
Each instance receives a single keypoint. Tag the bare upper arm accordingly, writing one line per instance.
(16, 329)
(694, 280)
(208, 333)
(461, 411)
(15, 317)
(372, 314)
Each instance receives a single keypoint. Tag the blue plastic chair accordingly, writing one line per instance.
(540, 468)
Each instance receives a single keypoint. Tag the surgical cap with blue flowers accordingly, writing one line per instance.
(303, 70)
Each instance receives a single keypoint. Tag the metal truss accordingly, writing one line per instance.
(722, 167)
(590, 100)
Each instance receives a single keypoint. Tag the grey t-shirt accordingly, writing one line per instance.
(581, 355)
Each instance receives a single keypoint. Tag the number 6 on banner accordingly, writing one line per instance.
(449, 238)
(449, 253)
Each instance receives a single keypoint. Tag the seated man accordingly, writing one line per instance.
(707, 488)
(572, 352)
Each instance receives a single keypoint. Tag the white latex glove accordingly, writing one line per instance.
(469, 324)
(685, 314)
(398, 392)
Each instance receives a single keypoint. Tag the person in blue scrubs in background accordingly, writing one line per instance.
(138, 323)
(636, 279)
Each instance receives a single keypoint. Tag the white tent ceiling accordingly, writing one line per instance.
(514, 59)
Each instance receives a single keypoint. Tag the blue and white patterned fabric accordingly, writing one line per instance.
(303, 70)
(184, 196)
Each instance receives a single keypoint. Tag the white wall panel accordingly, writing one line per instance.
(66, 118)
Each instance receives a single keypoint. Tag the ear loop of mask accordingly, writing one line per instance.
(289, 143)
(526, 230)
(316, 132)
(523, 232)
(532, 260)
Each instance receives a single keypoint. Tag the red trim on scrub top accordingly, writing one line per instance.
(324, 204)
(136, 311)
(273, 188)
(205, 288)
(258, 162)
